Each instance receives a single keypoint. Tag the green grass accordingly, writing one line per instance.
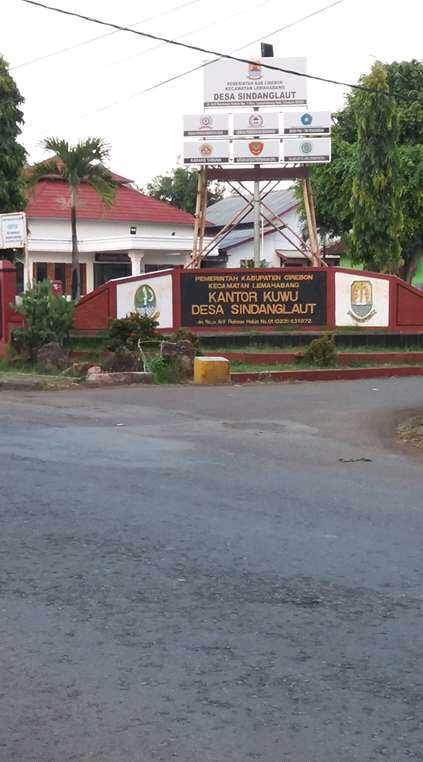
(240, 367)
(297, 349)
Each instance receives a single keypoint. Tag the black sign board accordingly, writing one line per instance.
(253, 299)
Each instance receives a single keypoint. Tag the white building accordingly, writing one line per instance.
(137, 234)
(236, 248)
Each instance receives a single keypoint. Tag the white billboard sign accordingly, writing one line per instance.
(206, 152)
(13, 230)
(307, 150)
(256, 151)
(207, 125)
(230, 84)
(254, 123)
(307, 123)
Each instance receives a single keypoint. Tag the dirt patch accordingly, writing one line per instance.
(411, 431)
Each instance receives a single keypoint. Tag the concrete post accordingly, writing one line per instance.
(137, 262)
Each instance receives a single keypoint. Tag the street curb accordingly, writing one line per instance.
(343, 358)
(37, 384)
(328, 374)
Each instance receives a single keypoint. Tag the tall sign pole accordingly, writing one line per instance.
(257, 215)
(266, 52)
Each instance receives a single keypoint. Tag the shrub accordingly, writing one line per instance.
(183, 334)
(165, 370)
(128, 331)
(321, 352)
(48, 317)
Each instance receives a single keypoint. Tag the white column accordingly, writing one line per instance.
(28, 264)
(137, 262)
(90, 275)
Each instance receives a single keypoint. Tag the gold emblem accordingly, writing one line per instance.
(361, 300)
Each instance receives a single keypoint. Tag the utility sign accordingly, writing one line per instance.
(206, 125)
(206, 152)
(266, 123)
(256, 151)
(307, 150)
(13, 230)
(233, 83)
(307, 123)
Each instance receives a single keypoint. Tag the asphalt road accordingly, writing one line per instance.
(193, 574)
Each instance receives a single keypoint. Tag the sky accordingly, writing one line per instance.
(95, 89)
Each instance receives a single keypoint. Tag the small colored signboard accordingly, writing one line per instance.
(256, 151)
(256, 124)
(206, 125)
(251, 299)
(307, 123)
(306, 150)
(206, 152)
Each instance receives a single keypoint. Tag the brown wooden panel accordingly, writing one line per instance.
(68, 279)
(253, 173)
(83, 276)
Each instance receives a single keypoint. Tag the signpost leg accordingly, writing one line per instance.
(257, 238)
(200, 216)
(313, 216)
(312, 233)
(203, 211)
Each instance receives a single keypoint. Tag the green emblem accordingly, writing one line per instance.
(306, 146)
(145, 301)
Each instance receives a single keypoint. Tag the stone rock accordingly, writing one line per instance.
(52, 357)
(79, 369)
(122, 360)
(182, 353)
(94, 370)
(98, 378)
(177, 348)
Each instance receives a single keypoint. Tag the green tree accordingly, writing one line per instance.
(180, 189)
(12, 154)
(333, 183)
(81, 163)
(376, 193)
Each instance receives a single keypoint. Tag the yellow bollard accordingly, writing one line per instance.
(211, 370)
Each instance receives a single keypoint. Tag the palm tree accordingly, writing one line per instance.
(76, 164)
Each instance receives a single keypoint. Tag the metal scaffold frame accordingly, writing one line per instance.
(236, 178)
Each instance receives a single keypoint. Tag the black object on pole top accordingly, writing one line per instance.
(266, 50)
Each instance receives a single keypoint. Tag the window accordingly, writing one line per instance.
(59, 273)
(154, 268)
(40, 271)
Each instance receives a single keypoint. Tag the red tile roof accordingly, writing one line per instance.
(50, 198)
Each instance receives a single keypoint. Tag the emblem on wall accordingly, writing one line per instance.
(256, 147)
(361, 300)
(206, 149)
(255, 120)
(145, 302)
(254, 71)
(306, 119)
(306, 147)
(206, 122)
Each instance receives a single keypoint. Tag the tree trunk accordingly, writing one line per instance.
(76, 285)
(410, 267)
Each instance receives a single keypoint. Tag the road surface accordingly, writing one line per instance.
(195, 574)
